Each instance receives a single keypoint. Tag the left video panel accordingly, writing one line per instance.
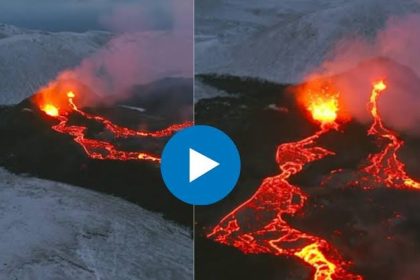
(90, 92)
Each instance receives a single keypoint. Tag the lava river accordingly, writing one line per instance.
(259, 226)
(100, 149)
(385, 168)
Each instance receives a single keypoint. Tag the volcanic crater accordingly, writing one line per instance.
(371, 227)
(30, 144)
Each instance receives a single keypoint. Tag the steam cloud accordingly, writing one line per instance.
(392, 55)
(153, 41)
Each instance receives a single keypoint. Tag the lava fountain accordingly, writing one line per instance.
(385, 167)
(60, 105)
(50, 110)
(259, 226)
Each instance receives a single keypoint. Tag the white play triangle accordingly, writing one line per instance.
(200, 165)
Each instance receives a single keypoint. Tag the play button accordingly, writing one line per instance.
(200, 165)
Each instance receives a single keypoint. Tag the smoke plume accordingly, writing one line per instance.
(151, 41)
(393, 56)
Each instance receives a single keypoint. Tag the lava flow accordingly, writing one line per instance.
(259, 226)
(385, 167)
(99, 149)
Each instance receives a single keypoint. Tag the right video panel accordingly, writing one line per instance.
(321, 99)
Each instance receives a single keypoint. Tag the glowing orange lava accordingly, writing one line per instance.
(321, 99)
(50, 110)
(385, 167)
(324, 110)
(71, 94)
(312, 254)
(258, 225)
(100, 149)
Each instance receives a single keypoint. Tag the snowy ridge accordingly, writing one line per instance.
(283, 40)
(50, 230)
(29, 58)
(204, 91)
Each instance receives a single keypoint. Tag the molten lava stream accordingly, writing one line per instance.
(385, 167)
(258, 225)
(123, 132)
(99, 149)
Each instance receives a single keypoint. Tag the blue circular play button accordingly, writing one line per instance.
(200, 165)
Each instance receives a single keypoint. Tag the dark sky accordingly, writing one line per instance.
(68, 15)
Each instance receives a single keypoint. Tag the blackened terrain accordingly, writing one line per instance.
(378, 230)
(29, 145)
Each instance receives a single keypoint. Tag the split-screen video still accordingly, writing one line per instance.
(209, 140)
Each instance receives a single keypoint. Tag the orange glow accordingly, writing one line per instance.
(58, 92)
(71, 94)
(260, 225)
(50, 110)
(385, 168)
(58, 100)
(379, 86)
(324, 110)
(311, 254)
(322, 101)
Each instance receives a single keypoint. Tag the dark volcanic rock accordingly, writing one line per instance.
(29, 145)
(378, 229)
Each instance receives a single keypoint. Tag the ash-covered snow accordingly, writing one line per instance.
(203, 91)
(50, 230)
(30, 58)
(283, 40)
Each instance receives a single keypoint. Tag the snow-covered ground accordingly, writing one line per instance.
(283, 40)
(54, 231)
(203, 91)
(29, 59)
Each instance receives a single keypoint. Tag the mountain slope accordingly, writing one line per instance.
(283, 40)
(29, 59)
(50, 230)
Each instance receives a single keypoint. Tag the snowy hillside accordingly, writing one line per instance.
(281, 40)
(50, 230)
(29, 59)
(203, 91)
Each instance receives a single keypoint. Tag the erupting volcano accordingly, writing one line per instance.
(259, 225)
(385, 167)
(94, 148)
